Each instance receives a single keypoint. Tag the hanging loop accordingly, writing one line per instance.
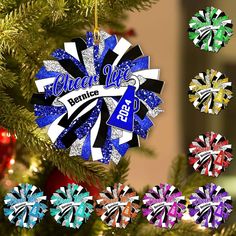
(96, 28)
(96, 36)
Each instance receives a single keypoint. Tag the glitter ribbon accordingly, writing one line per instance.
(25, 205)
(164, 205)
(210, 206)
(71, 206)
(210, 154)
(85, 131)
(210, 92)
(210, 29)
(117, 206)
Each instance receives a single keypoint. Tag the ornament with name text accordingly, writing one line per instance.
(72, 205)
(117, 206)
(210, 92)
(97, 99)
(210, 29)
(210, 154)
(25, 205)
(210, 206)
(164, 206)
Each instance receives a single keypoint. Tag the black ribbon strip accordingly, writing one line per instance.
(142, 111)
(134, 53)
(109, 58)
(69, 65)
(103, 129)
(80, 46)
(40, 99)
(134, 142)
(71, 68)
(70, 137)
(201, 39)
(119, 215)
(155, 86)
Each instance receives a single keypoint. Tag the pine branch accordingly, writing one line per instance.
(178, 173)
(98, 228)
(119, 173)
(17, 22)
(180, 229)
(185, 182)
(7, 6)
(7, 79)
(58, 9)
(148, 152)
(193, 182)
(227, 231)
(74, 167)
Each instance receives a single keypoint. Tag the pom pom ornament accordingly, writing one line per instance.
(210, 92)
(71, 205)
(25, 205)
(210, 206)
(164, 206)
(96, 99)
(210, 154)
(117, 206)
(210, 29)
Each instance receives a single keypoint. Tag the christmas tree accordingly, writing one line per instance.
(30, 31)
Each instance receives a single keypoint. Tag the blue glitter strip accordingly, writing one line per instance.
(40, 110)
(44, 74)
(149, 97)
(139, 131)
(44, 121)
(86, 127)
(140, 64)
(141, 127)
(60, 54)
(86, 149)
(125, 65)
(59, 144)
(146, 123)
(96, 58)
(107, 148)
(106, 152)
(109, 43)
(89, 39)
(121, 148)
(48, 89)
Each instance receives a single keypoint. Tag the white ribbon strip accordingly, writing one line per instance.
(88, 94)
(70, 47)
